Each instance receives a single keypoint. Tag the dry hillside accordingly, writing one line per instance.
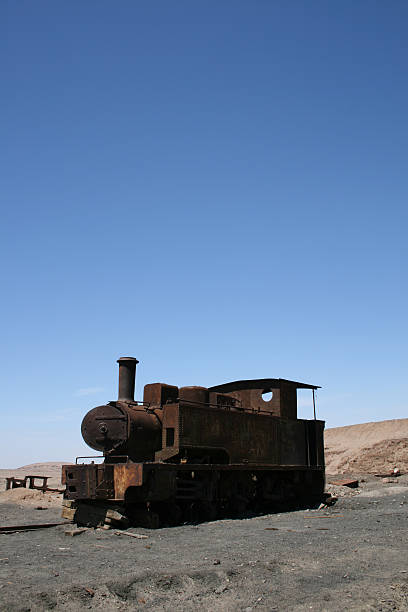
(368, 447)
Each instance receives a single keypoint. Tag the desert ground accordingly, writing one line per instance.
(349, 556)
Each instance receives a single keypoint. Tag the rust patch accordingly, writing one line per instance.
(127, 475)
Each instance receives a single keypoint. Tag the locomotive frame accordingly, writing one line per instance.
(195, 453)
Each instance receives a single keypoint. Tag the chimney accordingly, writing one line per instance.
(127, 375)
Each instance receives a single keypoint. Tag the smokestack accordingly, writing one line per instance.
(127, 375)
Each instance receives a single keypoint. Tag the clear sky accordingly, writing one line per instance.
(218, 188)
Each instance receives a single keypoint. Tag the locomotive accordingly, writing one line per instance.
(196, 453)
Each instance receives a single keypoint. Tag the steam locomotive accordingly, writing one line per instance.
(196, 453)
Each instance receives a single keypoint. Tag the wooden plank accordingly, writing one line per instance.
(138, 536)
(345, 482)
(75, 532)
(13, 528)
(68, 513)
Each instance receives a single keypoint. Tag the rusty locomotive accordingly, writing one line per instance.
(195, 453)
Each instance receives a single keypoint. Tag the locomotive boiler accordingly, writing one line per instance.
(196, 453)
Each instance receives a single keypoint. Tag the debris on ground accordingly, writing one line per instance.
(75, 532)
(30, 482)
(329, 500)
(346, 482)
(393, 474)
(138, 536)
(89, 515)
(341, 491)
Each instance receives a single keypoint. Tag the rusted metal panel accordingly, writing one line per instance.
(320, 442)
(244, 437)
(292, 442)
(126, 475)
(223, 401)
(160, 394)
(253, 399)
(288, 400)
(89, 481)
(171, 421)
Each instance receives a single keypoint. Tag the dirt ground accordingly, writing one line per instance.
(351, 556)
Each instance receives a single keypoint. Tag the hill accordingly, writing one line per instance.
(368, 447)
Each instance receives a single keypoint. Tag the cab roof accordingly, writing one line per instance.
(259, 383)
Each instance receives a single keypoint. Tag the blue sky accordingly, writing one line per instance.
(217, 188)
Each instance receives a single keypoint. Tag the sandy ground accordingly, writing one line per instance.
(369, 447)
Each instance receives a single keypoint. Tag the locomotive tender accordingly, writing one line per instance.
(195, 453)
